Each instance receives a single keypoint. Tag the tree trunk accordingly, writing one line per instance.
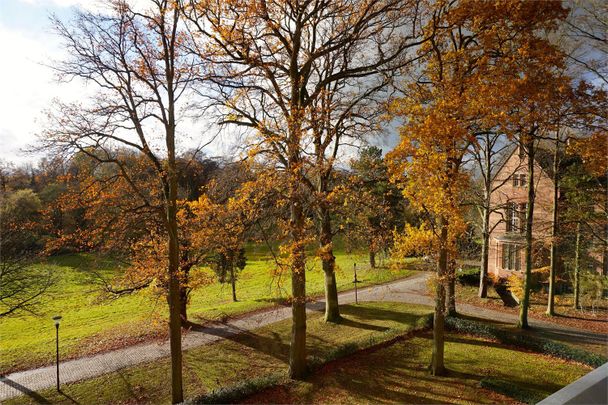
(483, 273)
(297, 350)
(577, 269)
(437, 364)
(183, 303)
(450, 309)
(525, 302)
(605, 255)
(372, 259)
(332, 309)
(485, 242)
(554, 232)
(175, 321)
(233, 282)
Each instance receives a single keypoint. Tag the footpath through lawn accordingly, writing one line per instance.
(396, 372)
(92, 325)
(239, 358)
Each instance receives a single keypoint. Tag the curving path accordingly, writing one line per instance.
(409, 290)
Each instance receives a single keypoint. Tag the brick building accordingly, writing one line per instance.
(507, 222)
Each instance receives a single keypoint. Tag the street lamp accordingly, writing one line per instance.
(57, 320)
(355, 281)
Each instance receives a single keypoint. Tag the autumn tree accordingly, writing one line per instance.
(267, 58)
(576, 113)
(480, 65)
(134, 62)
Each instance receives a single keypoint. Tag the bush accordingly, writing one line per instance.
(234, 393)
(468, 276)
(533, 343)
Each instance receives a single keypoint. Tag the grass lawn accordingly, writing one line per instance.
(394, 373)
(91, 324)
(254, 354)
(398, 374)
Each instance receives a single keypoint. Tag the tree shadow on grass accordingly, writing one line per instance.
(601, 320)
(380, 314)
(274, 300)
(273, 346)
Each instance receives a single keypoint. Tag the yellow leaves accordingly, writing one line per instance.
(593, 152)
(325, 252)
(414, 241)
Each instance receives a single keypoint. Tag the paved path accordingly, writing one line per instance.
(410, 290)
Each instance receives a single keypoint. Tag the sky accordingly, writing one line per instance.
(28, 87)
(28, 84)
(28, 46)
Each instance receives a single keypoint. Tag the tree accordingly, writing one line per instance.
(22, 284)
(477, 49)
(586, 28)
(227, 265)
(135, 60)
(488, 152)
(374, 206)
(581, 216)
(266, 62)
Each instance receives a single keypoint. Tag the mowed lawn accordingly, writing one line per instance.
(92, 324)
(399, 374)
(229, 361)
(395, 373)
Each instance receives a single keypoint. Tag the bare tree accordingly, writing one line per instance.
(134, 61)
(271, 70)
(488, 153)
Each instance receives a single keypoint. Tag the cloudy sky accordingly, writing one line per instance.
(28, 85)
(27, 43)
(28, 46)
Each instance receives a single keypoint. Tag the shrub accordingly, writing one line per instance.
(468, 276)
(233, 393)
(534, 343)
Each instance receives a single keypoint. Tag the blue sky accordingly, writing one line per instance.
(26, 43)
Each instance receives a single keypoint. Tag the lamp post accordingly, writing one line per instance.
(57, 320)
(355, 281)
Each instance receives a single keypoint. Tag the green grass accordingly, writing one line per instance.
(399, 374)
(240, 358)
(91, 324)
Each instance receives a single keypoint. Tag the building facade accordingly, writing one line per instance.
(508, 219)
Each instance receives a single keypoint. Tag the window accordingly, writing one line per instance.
(519, 180)
(515, 217)
(511, 258)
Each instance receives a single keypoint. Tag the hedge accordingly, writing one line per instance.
(468, 276)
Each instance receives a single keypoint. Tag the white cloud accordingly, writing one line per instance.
(28, 87)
